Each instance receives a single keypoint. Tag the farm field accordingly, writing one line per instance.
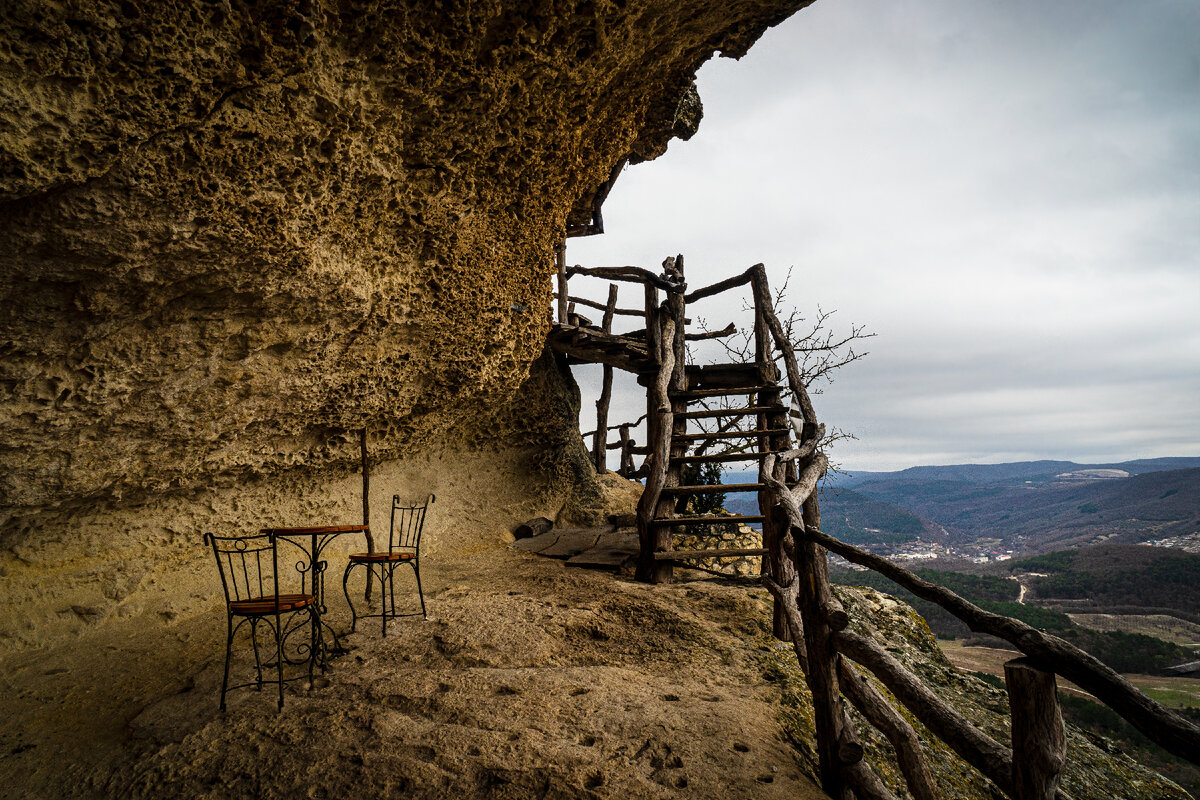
(1162, 626)
(1171, 692)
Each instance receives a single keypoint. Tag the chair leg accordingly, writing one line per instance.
(417, 569)
(313, 647)
(228, 652)
(257, 658)
(279, 653)
(385, 575)
(392, 584)
(349, 602)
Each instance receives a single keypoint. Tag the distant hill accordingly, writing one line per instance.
(858, 519)
(1032, 506)
(998, 473)
(1125, 578)
(1040, 512)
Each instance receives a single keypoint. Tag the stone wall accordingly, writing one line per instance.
(725, 537)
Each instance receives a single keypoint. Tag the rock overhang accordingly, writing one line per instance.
(235, 232)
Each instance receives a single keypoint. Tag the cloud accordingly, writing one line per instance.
(1009, 194)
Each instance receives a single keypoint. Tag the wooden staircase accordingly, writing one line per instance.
(757, 424)
(745, 401)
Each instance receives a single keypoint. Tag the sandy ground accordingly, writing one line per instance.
(529, 680)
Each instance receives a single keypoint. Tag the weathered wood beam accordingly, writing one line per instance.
(660, 422)
(1038, 737)
(729, 552)
(812, 568)
(627, 467)
(871, 703)
(618, 426)
(620, 312)
(728, 330)
(628, 275)
(366, 503)
(1167, 729)
(560, 262)
(864, 785)
(600, 440)
(973, 745)
(721, 286)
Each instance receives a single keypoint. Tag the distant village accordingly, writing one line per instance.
(980, 552)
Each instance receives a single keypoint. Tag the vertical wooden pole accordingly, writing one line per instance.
(600, 442)
(560, 260)
(1038, 738)
(678, 427)
(659, 423)
(674, 347)
(652, 323)
(822, 675)
(645, 507)
(366, 501)
(775, 526)
(626, 469)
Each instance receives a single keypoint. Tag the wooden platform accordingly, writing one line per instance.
(596, 548)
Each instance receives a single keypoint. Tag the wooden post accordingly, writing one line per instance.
(813, 568)
(659, 423)
(600, 442)
(676, 345)
(560, 260)
(1038, 738)
(776, 564)
(366, 501)
(627, 468)
(653, 324)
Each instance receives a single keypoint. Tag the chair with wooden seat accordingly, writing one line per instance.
(251, 579)
(404, 548)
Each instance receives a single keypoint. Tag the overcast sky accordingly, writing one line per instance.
(1007, 193)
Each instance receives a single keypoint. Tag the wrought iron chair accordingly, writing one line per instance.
(250, 576)
(404, 547)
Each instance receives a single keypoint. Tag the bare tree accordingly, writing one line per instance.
(820, 349)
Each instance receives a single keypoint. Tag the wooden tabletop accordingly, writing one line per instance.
(319, 529)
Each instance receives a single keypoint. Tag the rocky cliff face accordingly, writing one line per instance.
(235, 233)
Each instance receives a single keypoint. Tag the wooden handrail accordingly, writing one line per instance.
(628, 275)
(1164, 727)
(617, 427)
(620, 312)
(722, 286)
(975, 747)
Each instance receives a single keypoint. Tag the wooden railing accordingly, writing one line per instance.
(795, 571)
(625, 443)
(1030, 768)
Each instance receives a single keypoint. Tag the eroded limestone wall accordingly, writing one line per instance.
(233, 233)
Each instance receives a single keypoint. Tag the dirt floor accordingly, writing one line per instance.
(529, 679)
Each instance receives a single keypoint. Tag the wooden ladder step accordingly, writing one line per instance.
(730, 412)
(686, 555)
(751, 456)
(696, 394)
(734, 434)
(717, 487)
(715, 519)
(733, 366)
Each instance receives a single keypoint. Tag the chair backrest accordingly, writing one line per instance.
(407, 522)
(249, 565)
